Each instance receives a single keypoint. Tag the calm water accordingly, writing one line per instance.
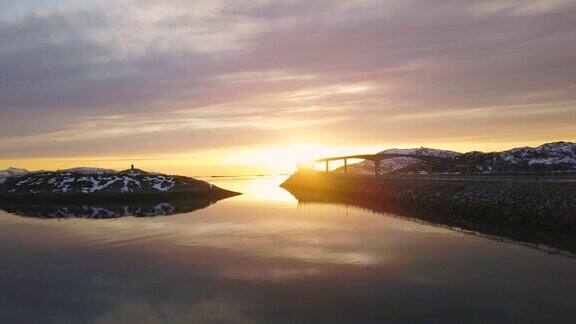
(263, 258)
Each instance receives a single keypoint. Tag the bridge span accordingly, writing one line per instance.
(376, 158)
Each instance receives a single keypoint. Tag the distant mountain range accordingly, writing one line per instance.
(548, 158)
(95, 181)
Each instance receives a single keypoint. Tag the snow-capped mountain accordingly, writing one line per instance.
(550, 157)
(100, 181)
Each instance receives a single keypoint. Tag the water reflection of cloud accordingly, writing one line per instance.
(267, 273)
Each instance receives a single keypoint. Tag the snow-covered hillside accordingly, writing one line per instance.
(548, 154)
(550, 157)
(99, 181)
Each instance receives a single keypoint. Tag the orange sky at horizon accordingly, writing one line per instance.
(230, 162)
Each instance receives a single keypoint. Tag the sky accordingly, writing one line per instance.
(247, 87)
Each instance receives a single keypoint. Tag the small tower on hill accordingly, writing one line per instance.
(132, 167)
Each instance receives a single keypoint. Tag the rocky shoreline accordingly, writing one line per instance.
(544, 206)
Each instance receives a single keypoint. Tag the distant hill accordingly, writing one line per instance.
(94, 181)
(547, 158)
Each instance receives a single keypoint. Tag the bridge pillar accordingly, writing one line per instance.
(345, 165)
(327, 166)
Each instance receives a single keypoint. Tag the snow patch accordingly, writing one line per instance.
(96, 186)
(161, 183)
(64, 185)
(127, 181)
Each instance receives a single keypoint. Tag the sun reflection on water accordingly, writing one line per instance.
(256, 189)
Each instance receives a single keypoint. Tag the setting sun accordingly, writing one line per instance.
(287, 158)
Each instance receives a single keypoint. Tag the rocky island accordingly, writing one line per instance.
(96, 184)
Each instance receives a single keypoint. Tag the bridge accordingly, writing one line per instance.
(376, 158)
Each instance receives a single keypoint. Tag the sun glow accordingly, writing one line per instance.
(287, 158)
